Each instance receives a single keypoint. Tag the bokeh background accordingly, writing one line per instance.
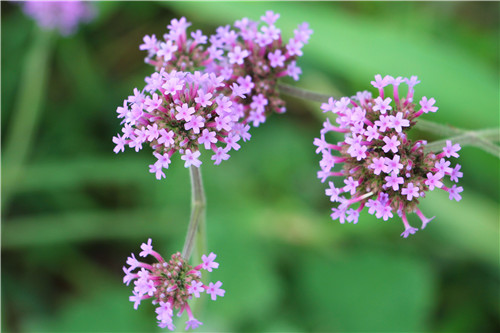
(77, 210)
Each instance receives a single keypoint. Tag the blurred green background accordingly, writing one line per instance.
(77, 210)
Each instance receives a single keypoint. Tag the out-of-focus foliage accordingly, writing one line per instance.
(79, 210)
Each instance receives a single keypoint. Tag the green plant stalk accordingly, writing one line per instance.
(483, 139)
(196, 234)
(196, 229)
(26, 114)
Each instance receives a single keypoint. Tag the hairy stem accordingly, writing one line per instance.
(196, 229)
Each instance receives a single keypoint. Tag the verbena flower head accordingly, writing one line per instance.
(206, 92)
(381, 168)
(169, 284)
(250, 56)
(182, 112)
(64, 16)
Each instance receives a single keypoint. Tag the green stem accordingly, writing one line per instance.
(303, 94)
(25, 116)
(482, 139)
(196, 235)
(196, 229)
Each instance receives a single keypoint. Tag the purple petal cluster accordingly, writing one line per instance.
(170, 284)
(381, 168)
(64, 16)
(207, 91)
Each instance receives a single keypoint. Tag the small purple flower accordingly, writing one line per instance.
(391, 144)
(433, 180)
(456, 173)
(276, 59)
(410, 191)
(191, 158)
(195, 288)
(220, 155)
(378, 165)
(208, 262)
(237, 55)
(382, 105)
(451, 150)
(454, 192)
(270, 17)
(214, 290)
(394, 181)
(427, 105)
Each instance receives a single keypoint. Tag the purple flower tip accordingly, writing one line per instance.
(409, 231)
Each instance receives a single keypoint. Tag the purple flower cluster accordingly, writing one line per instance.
(382, 169)
(64, 16)
(170, 284)
(206, 91)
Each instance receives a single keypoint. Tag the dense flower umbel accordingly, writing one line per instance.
(382, 169)
(180, 111)
(64, 16)
(207, 95)
(250, 56)
(170, 284)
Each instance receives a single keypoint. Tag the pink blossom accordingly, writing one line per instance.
(157, 169)
(378, 165)
(451, 150)
(194, 124)
(276, 59)
(207, 138)
(270, 17)
(456, 173)
(427, 105)
(120, 143)
(433, 180)
(382, 105)
(147, 248)
(393, 164)
(203, 99)
(191, 158)
(351, 185)
(237, 55)
(214, 290)
(208, 262)
(454, 192)
(195, 288)
(410, 191)
(184, 112)
(150, 43)
(166, 138)
(293, 70)
(397, 122)
(394, 181)
(391, 144)
(220, 155)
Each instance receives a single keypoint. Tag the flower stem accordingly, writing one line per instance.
(196, 234)
(25, 116)
(483, 139)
